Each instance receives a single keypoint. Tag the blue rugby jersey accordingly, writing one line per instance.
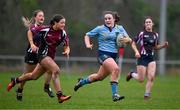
(107, 37)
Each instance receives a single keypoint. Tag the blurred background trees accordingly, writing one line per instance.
(82, 16)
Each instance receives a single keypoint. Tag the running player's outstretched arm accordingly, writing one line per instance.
(30, 39)
(160, 46)
(87, 41)
(66, 51)
(134, 47)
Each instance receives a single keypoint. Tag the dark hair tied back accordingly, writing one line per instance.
(56, 18)
(114, 14)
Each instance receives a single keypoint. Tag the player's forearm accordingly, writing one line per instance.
(87, 41)
(160, 46)
(30, 37)
(133, 45)
(66, 48)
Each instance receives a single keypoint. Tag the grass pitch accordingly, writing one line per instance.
(165, 94)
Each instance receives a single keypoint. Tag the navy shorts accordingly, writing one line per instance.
(145, 60)
(103, 55)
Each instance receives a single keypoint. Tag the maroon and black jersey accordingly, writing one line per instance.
(30, 56)
(34, 29)
(147, 41)
(48, 39)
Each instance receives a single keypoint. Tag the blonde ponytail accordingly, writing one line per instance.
(27, 23)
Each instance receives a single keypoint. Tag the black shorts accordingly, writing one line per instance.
(102, 56)
(31, 58)
(145, 60)
(42, 53)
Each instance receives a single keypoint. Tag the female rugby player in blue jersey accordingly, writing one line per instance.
(31, 59)
(146, 64)
(107, 52)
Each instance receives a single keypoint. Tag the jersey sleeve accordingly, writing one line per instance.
(37, 29)
(94, 32)
(66, 38)
(138, 37)
(122, 30)
(32, 28)
(157, 38)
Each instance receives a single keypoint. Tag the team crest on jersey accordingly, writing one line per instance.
(104, 34)
(146, 36)
(49, 34)
(151, 41)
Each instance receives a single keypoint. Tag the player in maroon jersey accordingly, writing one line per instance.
(31, 59)
(48, 38)
(146, 64)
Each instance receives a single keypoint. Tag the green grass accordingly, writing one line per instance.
(165, 94)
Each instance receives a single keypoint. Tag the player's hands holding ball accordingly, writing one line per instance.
(123, 40)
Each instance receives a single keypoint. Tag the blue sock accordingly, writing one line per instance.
(85, 81)
(114, 87)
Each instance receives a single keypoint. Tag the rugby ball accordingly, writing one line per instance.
(119, 42)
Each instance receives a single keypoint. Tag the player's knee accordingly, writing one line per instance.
(151, 79)
(115, 72)
(141, 80)
(56, 71)
(55, 76)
